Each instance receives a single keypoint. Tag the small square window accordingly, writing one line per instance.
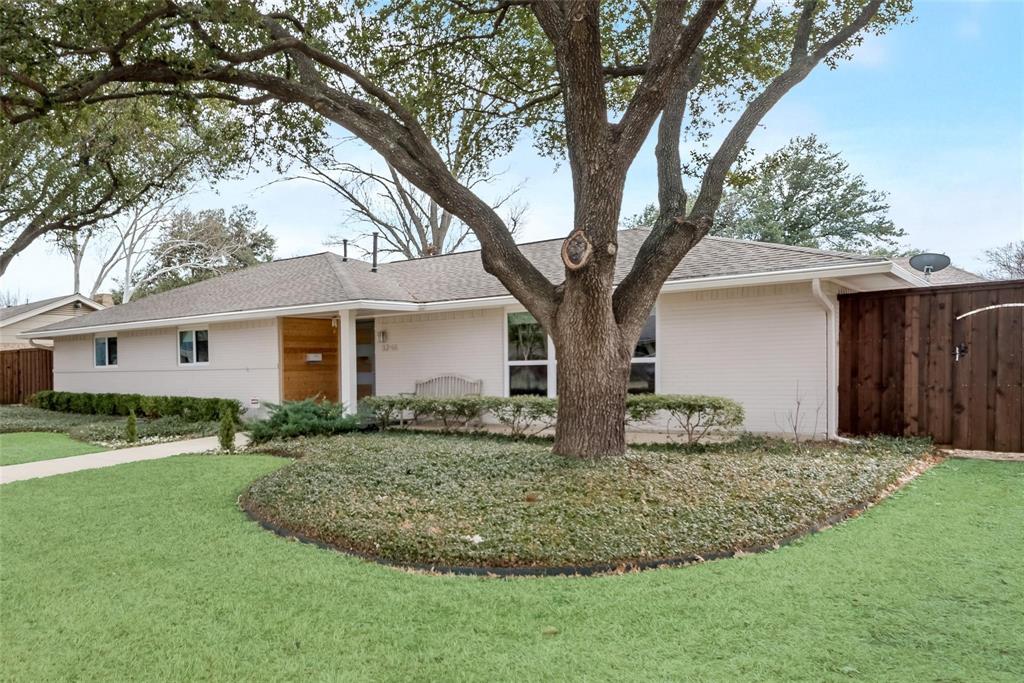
(105, 351)
(193, 347)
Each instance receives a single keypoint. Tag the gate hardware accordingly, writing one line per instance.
(959, 351)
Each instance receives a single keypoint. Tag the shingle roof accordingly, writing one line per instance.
(326, 278)
(8, 312)
(315, 279)
(950, 275)
(461, 275)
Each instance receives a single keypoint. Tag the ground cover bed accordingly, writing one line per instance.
(105, 430)
(479, 502)
(149, 571)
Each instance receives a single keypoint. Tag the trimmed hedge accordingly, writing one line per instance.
(189, 407)
(695, 415)
(303, 418)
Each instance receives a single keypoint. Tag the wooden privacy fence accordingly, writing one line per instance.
(23, 372)
(945, 362)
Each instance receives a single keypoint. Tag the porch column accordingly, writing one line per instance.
(347, 379)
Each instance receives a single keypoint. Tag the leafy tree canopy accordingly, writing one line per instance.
(806, 195)
(81, 166)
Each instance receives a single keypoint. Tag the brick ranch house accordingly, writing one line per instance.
(755, 322)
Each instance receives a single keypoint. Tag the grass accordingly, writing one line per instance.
(149, 571)
(492, 502)
(23, 447)
(103, 429)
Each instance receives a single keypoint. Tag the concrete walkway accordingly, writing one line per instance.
(983, 455)
(91, 461)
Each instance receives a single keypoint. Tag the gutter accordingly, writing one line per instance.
(831, 359)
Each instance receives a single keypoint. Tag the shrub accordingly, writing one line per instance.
(696, 415)
(303, 418)
(131, 428)
(189, 407)
(226, 434)
(525, 415)
(388, 410)
(458, 412)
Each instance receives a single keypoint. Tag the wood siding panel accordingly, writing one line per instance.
(23, 372)
(899, 375)
(301, 379)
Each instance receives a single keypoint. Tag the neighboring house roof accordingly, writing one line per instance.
(326, 278)
(13, 314)
(950, 275)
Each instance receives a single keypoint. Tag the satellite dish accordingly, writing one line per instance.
(929, 263)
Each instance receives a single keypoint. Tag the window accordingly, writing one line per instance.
(193, 347)
(106, 351)
(643, 371)
(531, 367)
(527, 356)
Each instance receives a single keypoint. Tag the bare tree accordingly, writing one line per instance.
(75, 243)
(410, 222)
(593, 80)
(1006, 262)
(11, 297)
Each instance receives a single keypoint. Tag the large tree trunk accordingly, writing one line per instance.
(593, 356)
(593, 371)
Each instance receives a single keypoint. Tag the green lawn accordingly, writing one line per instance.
(148, 571)
(32, 446)
(108, 430)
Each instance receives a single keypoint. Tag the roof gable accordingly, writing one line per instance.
(12, 314)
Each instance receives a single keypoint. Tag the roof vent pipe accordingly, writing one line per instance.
(373, 268)
(344, 250)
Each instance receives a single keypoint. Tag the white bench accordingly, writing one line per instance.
(448, 386)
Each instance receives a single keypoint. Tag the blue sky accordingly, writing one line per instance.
(933, 113)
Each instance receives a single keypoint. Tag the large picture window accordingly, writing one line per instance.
(643, 370)
(106, 351)
(531, 366)
(193, 347)
(527, 356)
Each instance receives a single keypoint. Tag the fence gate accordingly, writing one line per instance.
(945, 362)
(23, 372)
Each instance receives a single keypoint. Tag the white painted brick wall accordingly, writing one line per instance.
(243, 364)
(421, 346)
(761, 346)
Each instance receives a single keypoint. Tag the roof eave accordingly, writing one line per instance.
(231, 316)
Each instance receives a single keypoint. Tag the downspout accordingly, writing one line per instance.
(37, 345)
(831, 359)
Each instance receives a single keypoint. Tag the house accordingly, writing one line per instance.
(752, 321)
(17, 319)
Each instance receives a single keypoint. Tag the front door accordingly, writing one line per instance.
(364, 359)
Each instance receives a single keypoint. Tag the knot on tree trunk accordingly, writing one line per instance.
(576, 250)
